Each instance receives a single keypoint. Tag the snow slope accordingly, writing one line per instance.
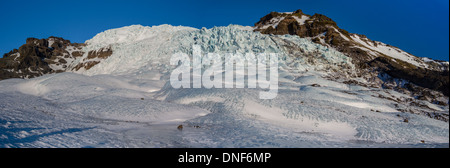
(127, 101)
(375, 46)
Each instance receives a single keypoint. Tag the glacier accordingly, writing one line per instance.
(127, 101)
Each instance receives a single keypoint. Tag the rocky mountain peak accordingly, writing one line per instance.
(371, 57)
(38, 57)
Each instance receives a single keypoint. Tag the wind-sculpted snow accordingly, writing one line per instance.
(123, 111)
(334, 111)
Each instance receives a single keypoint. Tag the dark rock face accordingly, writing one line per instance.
(435, 80)
(35, 57)
(52, 55)
(314, 26)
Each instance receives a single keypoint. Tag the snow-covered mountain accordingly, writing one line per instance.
(370, 57)
(335, 89)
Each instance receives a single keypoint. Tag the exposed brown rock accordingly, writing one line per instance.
(86, 65)
(77, 53)
(88, 62)
(102, 53)
(34, 57)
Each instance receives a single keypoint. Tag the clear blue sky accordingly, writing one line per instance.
(420, 27)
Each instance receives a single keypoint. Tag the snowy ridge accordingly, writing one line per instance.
(388, 51)
(131, 34)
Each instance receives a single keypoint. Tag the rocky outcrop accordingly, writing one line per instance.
(35, 57)
(369, 56)
(320, 28)
(431, 79)
(45, 56)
